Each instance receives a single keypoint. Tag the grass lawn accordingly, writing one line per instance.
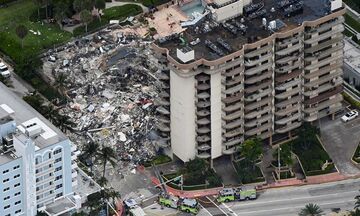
(248, 172)
(113, 13)
(312, 158)
(18, 13)
(160, 159)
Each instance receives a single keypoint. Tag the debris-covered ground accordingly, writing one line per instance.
(111, 88)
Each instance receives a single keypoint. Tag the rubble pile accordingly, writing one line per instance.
(111, 90)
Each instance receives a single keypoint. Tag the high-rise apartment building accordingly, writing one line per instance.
(37, 168)
(261, 71)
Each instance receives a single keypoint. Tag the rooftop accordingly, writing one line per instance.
(232, 31)
(352, 55)
(23, 114)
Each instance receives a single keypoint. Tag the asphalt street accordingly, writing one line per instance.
(289, 201)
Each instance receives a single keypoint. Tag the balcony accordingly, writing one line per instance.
(289, 84)
(203, 147)
(324, 104)
(163, 110)
(288, 76)
(161, 102)
(203, 130)
(164, 85)
(229, 65)
(163, 76)
(234, 72)
(234, 107)
(203, 95)
(258, 86)
(287, 59)
(288, 93)
(335, 65)
(257, 104)
(202, 78)
(203, 155)
(323, 45)
(203, 113)
(45, 163)
(164, 94)
(258, 121)
(288, 128)
(322, 54)
(326, 61)
(228, 151)
(203, 138)
(163, 127)
(203, 86)
(203, 121)
(45, 172)
(232, 116)
(261, 59)
(324, 87)
(233, 142)
(325, 26)
(290, 66)
(288, 102)
(324, 113)
(259, 51)
(163, 119)
(258, 78)
(45, 179)
(288, 119)
(288, 50)
(233, 81)
(232, 125)
(288, 41)
(265, 134)
(233, 89)
(233, 133)
(287, 110)
(232, 99)
(315, 38)
(257, 69)
(335, 75)
(257, 130)
(257, 113)
(261, 93)
(203, 104)
(323, 96)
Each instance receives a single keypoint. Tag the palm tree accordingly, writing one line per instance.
(357, 202)
(311, 209)
(50, 112)
(90, 151)
(100, 5)
(64, 123)
(21, 32)
(105, 155)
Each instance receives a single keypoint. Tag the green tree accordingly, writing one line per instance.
(251, 149)
(311, 210)
(307, 135)
(90, 151)
(34, 100)
(49, 112)
(77, 6)
(100, 5)
(356, 212)
(82, 213)
(40, 213)
(61, 11)
(106, 155)
(285, 155)
(86, 18)
(21, 32)
(64, 123)
(39, 4)
(195, 171)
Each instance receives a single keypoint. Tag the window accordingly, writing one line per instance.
(16, 167)
(6, 207)
(57, 151)
(58, 186)
(5, 180)
(6, 189)
(8, 215)
(17, 202)
(17, 194)
(17, 185)
(5, 171)
(6, 198)
(58, 168)
(58, 177)
(58, 195)
(57, 160)
(49, 155)
(37, 179)
(17, 176)
(17, 211)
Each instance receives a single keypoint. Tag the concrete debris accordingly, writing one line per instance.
(111, 88)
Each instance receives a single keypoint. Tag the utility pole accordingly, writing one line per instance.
(279, 164)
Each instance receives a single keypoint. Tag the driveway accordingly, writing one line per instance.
(223, 166)
(340, 140)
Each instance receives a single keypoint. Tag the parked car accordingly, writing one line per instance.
(350, 116)
(4, 70)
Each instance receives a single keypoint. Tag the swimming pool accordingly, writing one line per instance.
(194, 6)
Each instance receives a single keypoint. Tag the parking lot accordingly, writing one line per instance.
(340, 140)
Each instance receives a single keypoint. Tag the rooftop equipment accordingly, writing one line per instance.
(224, 44)
(214, 48)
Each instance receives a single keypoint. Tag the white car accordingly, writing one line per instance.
(4, 70)
(350, 116)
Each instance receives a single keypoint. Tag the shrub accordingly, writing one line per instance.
(121, 12)
(248, 172)
(350, 100)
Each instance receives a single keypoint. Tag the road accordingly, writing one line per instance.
(289, 201)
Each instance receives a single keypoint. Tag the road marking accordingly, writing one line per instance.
(299, 198)
(230, 210)
(216, 205)
(205, 209)
(294, 207)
